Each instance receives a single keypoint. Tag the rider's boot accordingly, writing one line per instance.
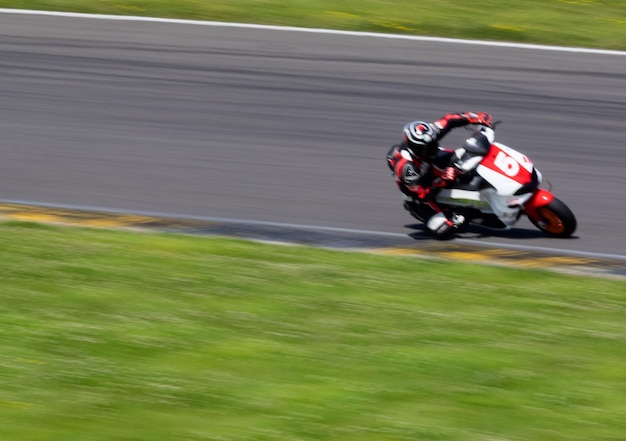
(441, 226)
(444, 228)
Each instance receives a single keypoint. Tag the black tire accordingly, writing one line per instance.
(555, 219)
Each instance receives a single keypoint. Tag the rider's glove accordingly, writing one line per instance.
(449, 174)
(482, 118)
(422, 193)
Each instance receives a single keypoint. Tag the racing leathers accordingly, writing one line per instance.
(421, 167)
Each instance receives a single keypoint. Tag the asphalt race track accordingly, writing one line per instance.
(292, 127)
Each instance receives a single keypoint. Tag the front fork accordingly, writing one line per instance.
(539, 199)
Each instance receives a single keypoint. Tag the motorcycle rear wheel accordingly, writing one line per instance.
(555, 219)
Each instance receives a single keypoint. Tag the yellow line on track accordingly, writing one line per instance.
(445, 250)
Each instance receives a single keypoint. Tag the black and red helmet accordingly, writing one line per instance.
(420, 138)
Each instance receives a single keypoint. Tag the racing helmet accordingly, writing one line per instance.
(420, 138)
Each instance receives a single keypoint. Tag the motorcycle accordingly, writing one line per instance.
(503, 186)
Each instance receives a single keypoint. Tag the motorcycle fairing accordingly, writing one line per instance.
(506, 169)
(539, 199)
(488, 201)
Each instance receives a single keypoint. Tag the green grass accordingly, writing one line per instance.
(592, 23)
(111, 335)
(119, 336)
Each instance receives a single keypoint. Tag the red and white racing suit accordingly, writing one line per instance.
(422, 178)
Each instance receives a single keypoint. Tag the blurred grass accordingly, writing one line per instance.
(118, 336)
(588, 23)
(110, 335)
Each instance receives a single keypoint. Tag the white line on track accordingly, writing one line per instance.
(315, 31)
(314, 228)
(319, 31)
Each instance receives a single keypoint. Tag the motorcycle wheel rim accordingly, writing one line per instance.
(549, 221)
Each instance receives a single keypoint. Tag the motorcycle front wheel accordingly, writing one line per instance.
(554, 219)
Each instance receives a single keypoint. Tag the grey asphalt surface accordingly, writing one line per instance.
(291, 127)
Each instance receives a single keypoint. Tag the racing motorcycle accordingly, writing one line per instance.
(504, 186)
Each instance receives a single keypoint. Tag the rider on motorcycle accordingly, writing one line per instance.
(421, 168)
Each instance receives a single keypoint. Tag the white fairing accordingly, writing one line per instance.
(506, 208)
(489, 133)
(507, 170)
(470, 164)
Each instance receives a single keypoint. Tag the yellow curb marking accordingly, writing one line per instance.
(37, 214)
(465, 255)
(113, 220)
(398, 251)
(520, 258)
(34, 217)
